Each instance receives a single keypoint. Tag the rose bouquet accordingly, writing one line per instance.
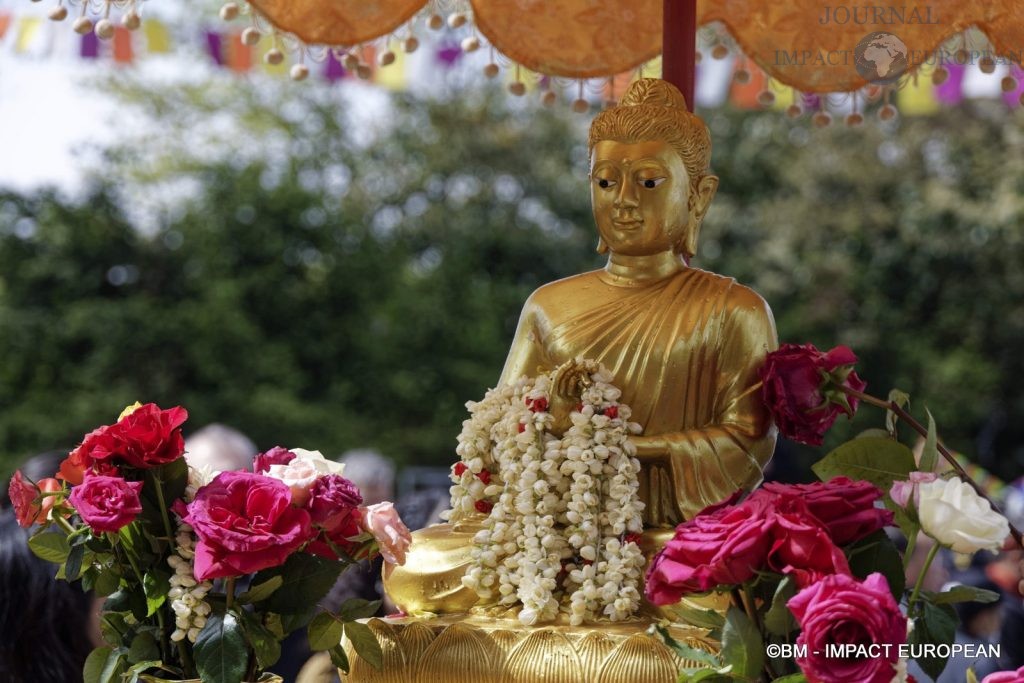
(204, 573)
(817, 586)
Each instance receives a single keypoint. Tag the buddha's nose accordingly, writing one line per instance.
(627, 195)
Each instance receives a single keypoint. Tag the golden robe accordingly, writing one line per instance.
(685, 351)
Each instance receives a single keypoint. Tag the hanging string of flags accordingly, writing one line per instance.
(725, 77)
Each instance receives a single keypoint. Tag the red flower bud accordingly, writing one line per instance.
(460, 467)
(539, 405)
(522, 428)
(579, 407)
(611, 412)
(631, 538)
(483, 506)
(485, 476)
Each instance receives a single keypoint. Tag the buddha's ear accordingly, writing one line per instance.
(701, 195)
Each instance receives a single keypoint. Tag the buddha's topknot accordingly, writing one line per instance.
(653, 109)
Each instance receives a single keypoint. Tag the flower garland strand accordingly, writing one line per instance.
(563, 513)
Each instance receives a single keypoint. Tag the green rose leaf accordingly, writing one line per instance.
(155, 584)
(365, 643)
(877, 553)
(339, 658)
(778, 619)
(261, 591)
(742, 647)
(143, 648)
(264, 642)
(791, 678)
(325, 631)
(930, 454)
(221, 654)
(705, 676)
(106, 582)
(50, 546)
(305, 579)
(938, 625)
(702, 618)
(879, 461)
(687, 652)
(357, 608)
(961, 594)
(73, 565)
(103, 665)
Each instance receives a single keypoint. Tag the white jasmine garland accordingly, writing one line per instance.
(562, 512)
(187, 595)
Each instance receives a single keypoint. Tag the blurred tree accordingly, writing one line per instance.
(278, 260)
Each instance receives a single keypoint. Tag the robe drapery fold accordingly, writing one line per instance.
(685, 352)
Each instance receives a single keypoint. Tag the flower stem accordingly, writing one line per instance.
(911, 542)
(63, 524)
(163, 505)
(920, 429)
(920, 577)
(229, 592)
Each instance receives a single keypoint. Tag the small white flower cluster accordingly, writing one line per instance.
(187, 595)
(555, 538)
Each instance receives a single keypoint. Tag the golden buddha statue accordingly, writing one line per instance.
(684, 346)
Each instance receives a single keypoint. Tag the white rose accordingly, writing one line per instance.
(298, 476)
(952, 513)
(319, 462)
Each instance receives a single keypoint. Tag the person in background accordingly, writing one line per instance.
(221, 448)
(373, 473)
(47, 626)
(979, 625)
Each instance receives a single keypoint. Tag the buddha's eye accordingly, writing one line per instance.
(651, 183)
(605, 183)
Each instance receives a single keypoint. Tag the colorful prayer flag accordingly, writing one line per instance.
(28, 31)
(158, 40)
(122, 45)
(917, 97)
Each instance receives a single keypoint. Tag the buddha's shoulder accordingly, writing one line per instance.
(568, 287)
(727, 287)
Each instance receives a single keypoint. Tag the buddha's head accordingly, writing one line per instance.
(650, 186)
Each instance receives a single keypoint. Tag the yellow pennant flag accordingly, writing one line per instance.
(392, 76)
(158, 40)
(265, 45)
(917, 97)
(28, 31)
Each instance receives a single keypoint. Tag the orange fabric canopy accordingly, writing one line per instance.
(811, 45)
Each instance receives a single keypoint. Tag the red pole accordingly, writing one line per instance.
(679, 46)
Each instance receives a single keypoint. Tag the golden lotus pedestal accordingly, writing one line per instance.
(479, 649)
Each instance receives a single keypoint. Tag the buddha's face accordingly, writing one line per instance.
(640, 194)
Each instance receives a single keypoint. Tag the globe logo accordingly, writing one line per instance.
(881, 58)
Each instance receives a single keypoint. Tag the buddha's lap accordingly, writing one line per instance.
(431, 579)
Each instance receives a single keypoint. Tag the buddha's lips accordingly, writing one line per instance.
(628, 223)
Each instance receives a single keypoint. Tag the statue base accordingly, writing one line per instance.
(468, 648)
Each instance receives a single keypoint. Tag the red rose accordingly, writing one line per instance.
(29, 507)
(840, 610)
(245, 522)
(845, 507)
(800, 388)
(350, 527)
(332, 498)
(460, 467)
(278, 455)
(801, 546)
(146, 437)
(106, 503)
(724, 544)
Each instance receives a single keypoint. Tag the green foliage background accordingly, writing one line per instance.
(271, 261)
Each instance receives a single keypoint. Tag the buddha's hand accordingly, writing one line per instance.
(571, 379)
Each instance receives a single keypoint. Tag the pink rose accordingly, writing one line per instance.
(801, 547)
(29, 508)
(392, 536)
(1005, 677)
(278, 455)
(245, 522)
(903, 491)
(106, 503)
(723, 544)
(298, 475)
(332, 498)
(800, 389)
(840, 610)
(845, 507)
